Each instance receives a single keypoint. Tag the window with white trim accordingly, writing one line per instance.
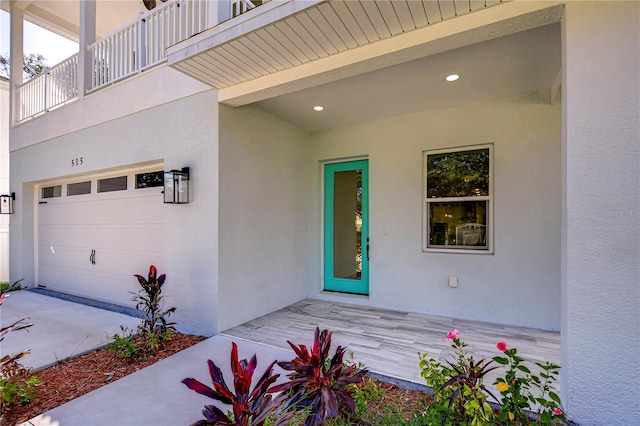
(458, 199)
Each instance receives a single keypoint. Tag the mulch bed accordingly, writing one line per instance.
(72, 378)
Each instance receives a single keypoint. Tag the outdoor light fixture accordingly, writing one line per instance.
(6, 203)
(452, 77)
(318, 108)
(176, 186)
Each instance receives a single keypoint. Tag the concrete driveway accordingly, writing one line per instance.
(61, 329)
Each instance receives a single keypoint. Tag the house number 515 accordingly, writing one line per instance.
(76, 162)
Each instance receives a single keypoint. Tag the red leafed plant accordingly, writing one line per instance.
(250, 407)
(154, 321)
(318, 381)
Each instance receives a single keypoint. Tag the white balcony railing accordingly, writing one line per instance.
(50, 89)
(129, 50)
(142, 43)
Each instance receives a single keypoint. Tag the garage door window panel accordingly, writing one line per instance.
(149, 179)
(52, 191)
(79, 188)
(112, 184)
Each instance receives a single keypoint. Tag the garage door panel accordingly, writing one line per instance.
(109, 279)
(128, 210)
(124, 263)
(66, 235)
(105, 211)
(72, 257)
(147, 210)
(103, 260)
(92, 285)
(129, 237)
(135, 237)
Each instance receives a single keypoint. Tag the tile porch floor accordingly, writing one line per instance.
(388, 342)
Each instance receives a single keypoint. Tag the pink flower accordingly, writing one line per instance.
(502, 346)
(453, 334)
(557, 411)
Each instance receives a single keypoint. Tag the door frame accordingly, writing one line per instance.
(329, 283)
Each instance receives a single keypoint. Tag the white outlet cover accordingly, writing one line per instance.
(453, 282)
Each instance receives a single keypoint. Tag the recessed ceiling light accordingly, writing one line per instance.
(452, 77)
(318, 108)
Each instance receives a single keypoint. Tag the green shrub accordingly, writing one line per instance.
(460, 397)
(523, 390)
(459, 391)
(17, 386)
(125, 345)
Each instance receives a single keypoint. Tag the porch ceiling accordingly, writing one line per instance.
(506, 67)
(370, 59)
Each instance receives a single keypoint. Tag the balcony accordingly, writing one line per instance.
(53, 88)
(127, 51)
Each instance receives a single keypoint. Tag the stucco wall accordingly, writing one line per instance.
(601, 245)
(180, 133)
(518, 284)
(142, 91)
(264, 200)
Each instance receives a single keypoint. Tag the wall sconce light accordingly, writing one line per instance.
(176, 186)
(6, 203)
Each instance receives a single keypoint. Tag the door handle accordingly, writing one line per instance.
(92, 257)
(367, 249)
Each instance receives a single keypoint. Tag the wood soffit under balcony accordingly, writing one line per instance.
(223, 57)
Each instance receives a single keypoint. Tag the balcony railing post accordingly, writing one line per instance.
(218, 11)
(142, 42)
(87, 37)
(47, 84)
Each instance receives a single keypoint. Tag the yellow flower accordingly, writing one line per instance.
(502, 387)
(511, 416)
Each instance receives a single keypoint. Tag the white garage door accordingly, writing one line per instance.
(95, 232)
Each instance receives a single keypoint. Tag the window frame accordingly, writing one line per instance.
(489, 198)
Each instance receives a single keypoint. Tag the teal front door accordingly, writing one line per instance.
(346, 227)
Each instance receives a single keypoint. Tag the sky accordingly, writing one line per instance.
(37, 40)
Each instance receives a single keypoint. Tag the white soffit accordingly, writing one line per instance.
(282, 47)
